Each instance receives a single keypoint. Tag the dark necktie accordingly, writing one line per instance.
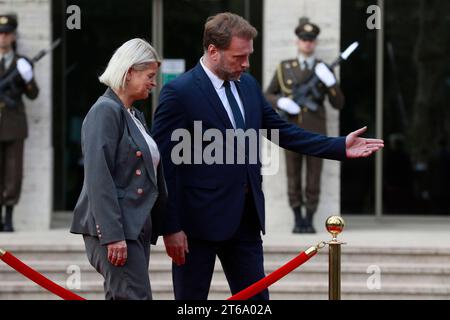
(238, 119)
(305, 65)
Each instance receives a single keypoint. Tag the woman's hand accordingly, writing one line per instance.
(117, 253)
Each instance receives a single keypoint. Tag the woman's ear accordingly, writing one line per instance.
(128, 77)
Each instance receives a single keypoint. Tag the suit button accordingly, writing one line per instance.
(140, 191)
(138, 172)
(138, 154)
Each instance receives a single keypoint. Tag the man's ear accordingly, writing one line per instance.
(213, 52)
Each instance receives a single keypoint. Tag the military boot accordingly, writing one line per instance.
(1, 218)
(8, 226)
(299, 223)
(309, 228)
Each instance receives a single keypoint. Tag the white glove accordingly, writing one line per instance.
(25, 69)
(288, 105)
(325, 75)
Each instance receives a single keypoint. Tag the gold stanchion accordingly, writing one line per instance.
(334, 225)
(2, 252)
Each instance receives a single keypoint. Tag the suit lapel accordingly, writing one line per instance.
(136, 135)
(210, 93)
(241, 88)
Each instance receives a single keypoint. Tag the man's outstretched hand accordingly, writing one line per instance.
(357, 147)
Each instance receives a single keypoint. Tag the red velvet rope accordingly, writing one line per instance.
(264, 283)
(245, 294)
(38, 278)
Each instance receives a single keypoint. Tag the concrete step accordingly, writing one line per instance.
(369, 255)
(220, 291)
(406, 273)
(281, 253)
(425, 274)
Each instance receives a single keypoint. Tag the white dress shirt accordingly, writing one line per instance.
(150, 142)
(220, 89)
(310, 61)
(9, 56)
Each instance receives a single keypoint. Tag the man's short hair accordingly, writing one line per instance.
(221, 28)
(135, 53)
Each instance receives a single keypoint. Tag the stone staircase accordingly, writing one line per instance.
(404, 273)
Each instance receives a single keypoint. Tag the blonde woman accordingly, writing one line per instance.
(124, 193)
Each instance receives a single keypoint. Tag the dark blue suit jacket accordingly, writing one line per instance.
(206, 201)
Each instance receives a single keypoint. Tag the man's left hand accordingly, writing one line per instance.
(357, 147)
(25, 69)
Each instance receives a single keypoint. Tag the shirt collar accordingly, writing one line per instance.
(132, 111)
(216, 81)
(309, 60)
(8, 56)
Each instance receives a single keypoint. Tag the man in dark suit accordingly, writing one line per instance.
(13, 120)
(218, 209)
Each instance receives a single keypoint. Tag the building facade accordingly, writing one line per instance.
(396, 83)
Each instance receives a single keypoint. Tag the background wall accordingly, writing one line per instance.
(35, 206)
(280, 19)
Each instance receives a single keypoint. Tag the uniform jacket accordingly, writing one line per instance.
(207, 200)
(13, 121)
(289, 74)
(120, 189)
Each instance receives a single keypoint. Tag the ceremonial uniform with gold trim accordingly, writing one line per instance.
(289, 73)
(13, 124)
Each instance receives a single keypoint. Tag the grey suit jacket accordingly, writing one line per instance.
(120, 189)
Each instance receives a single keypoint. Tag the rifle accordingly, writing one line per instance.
(8, 80)
(306, 94)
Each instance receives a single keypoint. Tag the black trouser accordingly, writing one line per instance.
(241, 258)
(11, 168)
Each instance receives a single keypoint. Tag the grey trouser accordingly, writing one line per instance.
(130, 282)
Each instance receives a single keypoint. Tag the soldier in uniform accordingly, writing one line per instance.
(279, 93)
(13, 122)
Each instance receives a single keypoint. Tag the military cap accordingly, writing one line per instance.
(307, 30)
(8, 23)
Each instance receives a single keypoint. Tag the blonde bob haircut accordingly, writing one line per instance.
(135, 54)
